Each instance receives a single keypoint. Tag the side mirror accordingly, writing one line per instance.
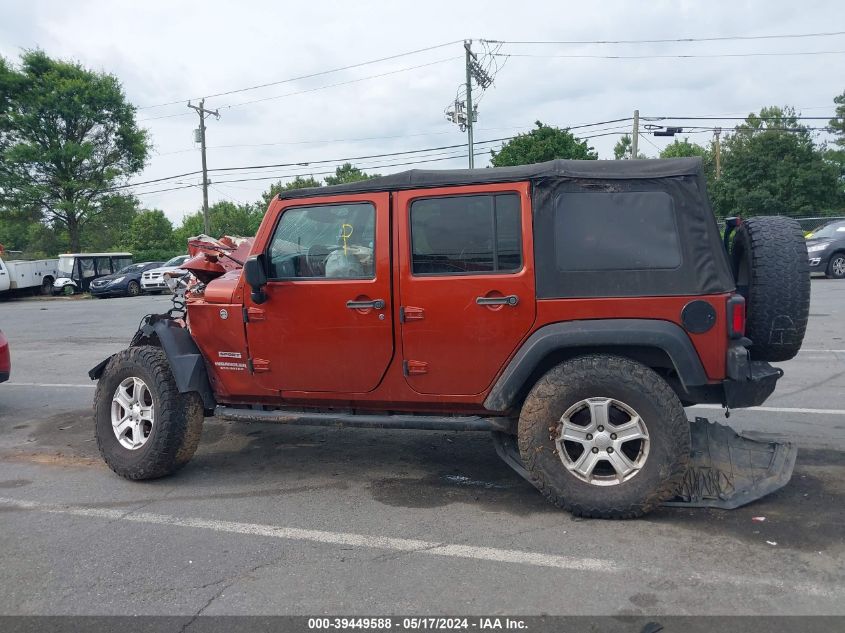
(256, 277)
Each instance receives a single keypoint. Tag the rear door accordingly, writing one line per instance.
(326, 325)
(466, 284)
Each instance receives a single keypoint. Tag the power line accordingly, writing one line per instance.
(340, 83)
(379, 138)
(678, 56)
(667, 40)
(322, 173)
(315, 89)
(739, 118)
(305, 163)
(307, 76)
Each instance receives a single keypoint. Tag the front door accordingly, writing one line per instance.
(326, 325)
(466, 284)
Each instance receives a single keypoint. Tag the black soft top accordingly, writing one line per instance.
(554, 169)
(602, 228)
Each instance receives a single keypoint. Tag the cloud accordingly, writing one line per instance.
(165, 51)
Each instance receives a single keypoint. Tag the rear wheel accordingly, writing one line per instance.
(836, 266)
(604, 437)
(46, 288)
(133, 289)
(145, 428)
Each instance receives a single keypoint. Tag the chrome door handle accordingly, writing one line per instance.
(510, 300)
(376, 304)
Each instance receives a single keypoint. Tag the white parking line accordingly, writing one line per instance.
(822, 351)
(413, 546)
(60, 385)
(331, 538)
(775, 409)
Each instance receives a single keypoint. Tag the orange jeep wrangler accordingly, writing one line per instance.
(571, 307)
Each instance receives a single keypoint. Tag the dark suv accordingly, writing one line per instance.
(572, 307)
(826, 249)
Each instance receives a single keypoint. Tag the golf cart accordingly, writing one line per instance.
(78, 270)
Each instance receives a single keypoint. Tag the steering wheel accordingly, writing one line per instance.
(315, 259)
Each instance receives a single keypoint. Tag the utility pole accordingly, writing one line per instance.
(718, 148)
(203, 112)
(463, 113)
(470, 113)
(636, 134)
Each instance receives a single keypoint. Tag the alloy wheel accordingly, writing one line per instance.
(132, 414)
(602, 441)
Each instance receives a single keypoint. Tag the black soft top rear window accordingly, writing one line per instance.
(631, 230)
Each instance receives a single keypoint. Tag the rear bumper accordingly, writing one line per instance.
(748, 383)
(753, 390)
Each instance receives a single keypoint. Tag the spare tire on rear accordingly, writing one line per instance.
(772, 272)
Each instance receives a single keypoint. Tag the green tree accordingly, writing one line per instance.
(348, 173)
(68, 137)
(226, 218)
(686, 149)
(277, 187)
(772, 166)
(111, 229)
(624, 148)
(151, 230)
(544, 143)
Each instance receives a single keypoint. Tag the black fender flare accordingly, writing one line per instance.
(604, 333)
(186, 360)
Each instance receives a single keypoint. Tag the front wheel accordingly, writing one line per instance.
(145, 428)
(836, 267)
(604, 437)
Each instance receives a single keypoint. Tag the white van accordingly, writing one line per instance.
(36, 274)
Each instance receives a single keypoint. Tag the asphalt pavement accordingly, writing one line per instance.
(269, 519)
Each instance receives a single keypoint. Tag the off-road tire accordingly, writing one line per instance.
(610, 377)
(830, 273)
(178, 416)
(772, 272)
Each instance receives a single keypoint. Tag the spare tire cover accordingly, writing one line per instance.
(772, 272)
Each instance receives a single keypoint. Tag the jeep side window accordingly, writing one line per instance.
(324, 242)
(462, 235)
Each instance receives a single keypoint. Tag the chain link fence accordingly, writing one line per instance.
(807, 224)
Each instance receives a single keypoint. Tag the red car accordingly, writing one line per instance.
(572, 307)
(5, 359)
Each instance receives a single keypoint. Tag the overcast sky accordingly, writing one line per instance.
(166, 51)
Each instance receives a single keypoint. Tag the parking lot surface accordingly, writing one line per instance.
(269, 519)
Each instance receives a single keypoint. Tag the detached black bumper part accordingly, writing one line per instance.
(729, 469)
